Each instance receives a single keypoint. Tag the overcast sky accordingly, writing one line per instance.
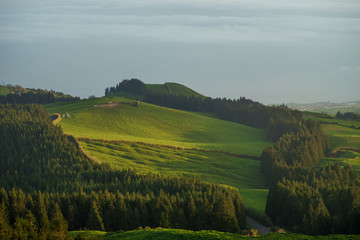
(272, 51)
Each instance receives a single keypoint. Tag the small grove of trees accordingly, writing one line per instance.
(47, 182)
(348, 116)
(133, 85)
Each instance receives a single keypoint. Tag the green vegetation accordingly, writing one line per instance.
(209, 166)
(157, 125)
(49, 185)
(323, 118)
(174, 234)
(157, 88)
(4, 90)
(178, 89)
(344, 158)
(341, 136)
(255, 198)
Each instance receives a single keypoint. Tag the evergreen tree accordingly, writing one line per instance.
(58, 225)
(94, 220)
(5, 228)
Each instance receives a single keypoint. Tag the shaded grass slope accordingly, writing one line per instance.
(172, 88)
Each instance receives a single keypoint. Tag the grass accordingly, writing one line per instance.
(157, 88)
(157, 125)
(180, 234)
(176, 89)
(209, 166)
(163, 126)
(255, 198)
(332, 120)
(4, 90)
(341, 136)
(344, 158)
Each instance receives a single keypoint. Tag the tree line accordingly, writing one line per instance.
(133, 85)
(41, 168)
(348, 116)
(37, 96)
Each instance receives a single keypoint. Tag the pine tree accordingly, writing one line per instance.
(5, 228)
(58, 225)
(94, 220)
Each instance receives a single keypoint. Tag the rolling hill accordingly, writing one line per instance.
(113, 118)
(171, 88)
(145, 138)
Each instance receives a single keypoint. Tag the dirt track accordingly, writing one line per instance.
(261, 228)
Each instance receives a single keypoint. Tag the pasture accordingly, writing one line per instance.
(158, 125)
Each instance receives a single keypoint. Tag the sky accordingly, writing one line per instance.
(271, 51)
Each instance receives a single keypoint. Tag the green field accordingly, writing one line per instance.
(157, 125)
(180, 234)
(332, 120)
(4, 90)
(255, 198)
(341, 136)
(175, 88)
(157, 88)
(210, 166)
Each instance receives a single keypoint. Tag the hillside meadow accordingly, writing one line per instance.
(157, 125)
(148, 131)
(341, 136)
(214, 167)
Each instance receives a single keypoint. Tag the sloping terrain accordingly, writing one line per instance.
(4, 90)
(149, 130)
(344, 138)
(172, 88)
(157, 125)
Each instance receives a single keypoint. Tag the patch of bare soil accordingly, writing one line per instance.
(108, 105)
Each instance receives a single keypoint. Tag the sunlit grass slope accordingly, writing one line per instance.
(157, 125)
(4, 90)
(341, 136)
(212, 167)
(180, 234)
